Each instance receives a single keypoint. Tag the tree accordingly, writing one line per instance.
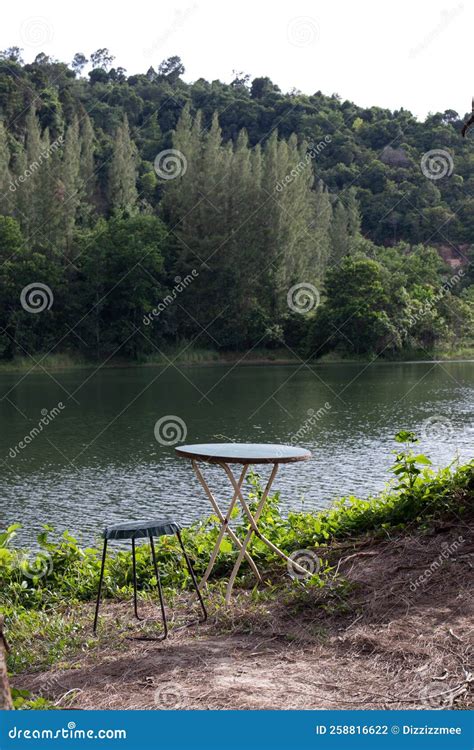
(86, 162)
(171, 69)
(98, 75)
(42, 59)
(123, 171)
(71, 181)
(21, 331)
(355, 314)
(249, 239)
(5, 176)
(261, 87)
(30, 200)
(267, 194)
(120, 281)
(12, 54)
(102, 59)
(79, 62)
(240, 80)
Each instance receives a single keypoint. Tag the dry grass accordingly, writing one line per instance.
(377, 641)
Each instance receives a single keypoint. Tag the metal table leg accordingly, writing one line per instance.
(251, 531)
(253, 520)
(225, 528)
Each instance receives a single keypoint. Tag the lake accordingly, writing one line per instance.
(96, 459)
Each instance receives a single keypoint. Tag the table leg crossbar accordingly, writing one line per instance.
(253, 523)
(225, 528)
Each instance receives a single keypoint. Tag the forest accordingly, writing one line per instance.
(140, 213)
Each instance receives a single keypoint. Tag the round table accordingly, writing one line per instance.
(245, 454)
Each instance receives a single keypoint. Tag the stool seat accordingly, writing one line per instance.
(141, 529)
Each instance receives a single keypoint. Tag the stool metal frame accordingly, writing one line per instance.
(158, 580)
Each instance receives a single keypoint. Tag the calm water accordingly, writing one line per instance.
(98, 459)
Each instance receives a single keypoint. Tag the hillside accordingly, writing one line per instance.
(263, 196)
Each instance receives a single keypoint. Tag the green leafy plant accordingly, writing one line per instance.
(46, 614)
(7, 535)
(407, 464)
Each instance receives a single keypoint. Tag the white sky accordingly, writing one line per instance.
(414, 54)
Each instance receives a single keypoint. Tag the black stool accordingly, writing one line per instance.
(139, 530)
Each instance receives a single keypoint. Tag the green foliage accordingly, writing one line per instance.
(419, 497)
(24, 701)
(61, 571)
(47, 594)
(278, 188)
(403, 299)
(355, 314)
(7, 535)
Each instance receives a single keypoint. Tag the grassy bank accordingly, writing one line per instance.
(179, 355)
(192, 356)
(47, 596)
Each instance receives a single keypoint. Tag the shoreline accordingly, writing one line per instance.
(57, 363)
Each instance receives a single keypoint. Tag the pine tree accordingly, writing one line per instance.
(29, 189)
(339, 231)
(320, 227)
(270, 260)
(6, 193)
(50, 197)
(86, 165)
(345, 227)
(71, 181)
(20, 194)
(122, 190)
(353, 213)
(249, 238)
(150, 137)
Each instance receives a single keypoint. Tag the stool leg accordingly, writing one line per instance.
(104, 553)
(160, 592)
(135, 598)
(193, 576)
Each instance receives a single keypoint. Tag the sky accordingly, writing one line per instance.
(414, 54)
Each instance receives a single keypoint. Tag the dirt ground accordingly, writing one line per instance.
(398, 635)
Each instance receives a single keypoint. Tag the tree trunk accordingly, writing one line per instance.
(5, 694)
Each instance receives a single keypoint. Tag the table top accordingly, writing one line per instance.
(244, 453)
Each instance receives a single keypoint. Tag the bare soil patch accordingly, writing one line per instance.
(399, 634)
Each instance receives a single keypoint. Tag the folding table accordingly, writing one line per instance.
(246, 455)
